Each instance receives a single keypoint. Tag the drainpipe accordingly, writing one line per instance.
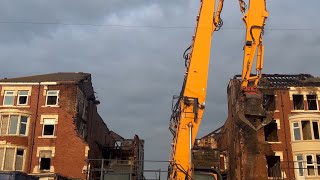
(34, 130)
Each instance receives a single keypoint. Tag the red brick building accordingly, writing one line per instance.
(287, 146)
(50, 125)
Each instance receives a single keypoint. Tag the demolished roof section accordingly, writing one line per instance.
(286, 80)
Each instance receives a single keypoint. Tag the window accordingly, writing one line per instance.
(298, 102)
(315, 127)
(19, 159)
(11, 159)
(306, 130)
(310, 165)
(8, 98)
(269, 102)
(8, 159)
(318, 163)
(309, 130)
(271, 132)
(22, 98)
(273, 163)
(48, 127)
(23, 125)
(312, 102)
(14, 125)
(299, 158)
(4, 124)
(52, 98)
(296, 131)
(45, 160)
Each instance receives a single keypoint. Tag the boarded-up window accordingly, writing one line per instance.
(9, 158)
(13, 124)
(19, 159)
(1, 157)
(4, 124)
(298, 102)
(306, 130)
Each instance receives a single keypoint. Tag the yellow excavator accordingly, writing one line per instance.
(190, 104)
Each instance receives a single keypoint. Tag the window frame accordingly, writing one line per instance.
(315, 100)
(6, 95)
(45, 170)
(277, 137)
(293, 132)
(18, 98)
(47, 95)
(299, 122)
(298, 167)
(312, 128)
(310, 132)
(23, 158)
(14, 158)
(54, 127)
(317, 164)
(26, 123)
(293, 104)
(312, 164)
(18, 125)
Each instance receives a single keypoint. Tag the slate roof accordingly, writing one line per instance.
(53, 77)
(287, 80)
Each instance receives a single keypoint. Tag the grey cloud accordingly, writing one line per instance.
(137, 70)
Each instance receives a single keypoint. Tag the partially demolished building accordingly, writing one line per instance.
(123, 159)
(50, 128)
(284, 146)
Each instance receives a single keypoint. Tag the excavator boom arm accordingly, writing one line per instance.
(188, 113)
(254, 20)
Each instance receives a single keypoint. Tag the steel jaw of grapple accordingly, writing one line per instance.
(250, 111)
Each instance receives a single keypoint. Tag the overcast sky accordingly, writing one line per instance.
(136, 70)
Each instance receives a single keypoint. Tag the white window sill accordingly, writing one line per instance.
(47, 137)
(297, 141)
(18, 106)
(271, 142)
(7, 105)
(295, 110)
(305, 111)
(13, 135)
(22, 105)
(51, 106)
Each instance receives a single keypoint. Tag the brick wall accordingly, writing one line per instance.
(69, 158)
(246, 150)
